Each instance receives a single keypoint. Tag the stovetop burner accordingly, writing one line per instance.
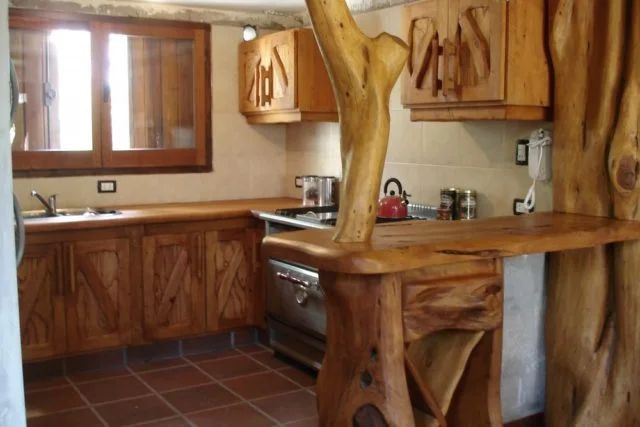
(328, 215)
(294, 212)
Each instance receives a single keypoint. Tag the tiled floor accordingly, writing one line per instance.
(245, 387)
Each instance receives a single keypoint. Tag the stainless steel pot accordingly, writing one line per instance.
(309, 185)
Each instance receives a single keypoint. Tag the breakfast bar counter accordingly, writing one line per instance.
(414, 317)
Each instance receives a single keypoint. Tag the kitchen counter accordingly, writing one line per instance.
(161, 213)
(416, 244)
(416, 314)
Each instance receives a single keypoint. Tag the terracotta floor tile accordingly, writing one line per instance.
(171, 422)
(134, 411)
(213, 355)
(268, 358)
(241, 415)
(232, 367)
(157, 364)
(260, 385)
(253, 348)
(45, 383)
(309, 422)
(113, 389)
(200, 397)
(289, 407)
(169, 379)
(304, 377)
(99, 374)
(53, 400)
(76, 418)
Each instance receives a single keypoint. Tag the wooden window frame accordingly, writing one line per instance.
(102, 159)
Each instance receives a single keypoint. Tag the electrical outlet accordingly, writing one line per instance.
(520, 209)
(107, 186)
(522, 152)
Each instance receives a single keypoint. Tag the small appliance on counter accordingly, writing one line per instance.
(392, 206)
(318, 190)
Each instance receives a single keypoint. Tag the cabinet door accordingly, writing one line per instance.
(40, 288)
(230, 279)
(279, 86)
(268, 73)
(477, 39)
(250, 60)
(98, 295)
(427, 25)
(174, 303)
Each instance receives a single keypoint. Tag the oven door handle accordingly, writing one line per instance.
(299, 283)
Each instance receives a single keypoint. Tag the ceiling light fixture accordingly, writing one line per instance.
(249, 32)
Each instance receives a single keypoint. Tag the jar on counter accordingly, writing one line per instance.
(449, 199)
(467, 205)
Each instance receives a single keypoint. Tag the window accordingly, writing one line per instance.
(102, 95)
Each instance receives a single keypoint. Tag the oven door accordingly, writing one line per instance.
(294, 297)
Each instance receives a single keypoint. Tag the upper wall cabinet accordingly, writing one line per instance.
(477, 60)
(283, 79)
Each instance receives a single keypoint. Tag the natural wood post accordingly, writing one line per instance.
(363, 71)
(593, 327)
(362, 382)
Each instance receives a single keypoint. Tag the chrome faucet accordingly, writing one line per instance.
(50, 206)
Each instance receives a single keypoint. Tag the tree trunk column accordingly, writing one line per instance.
(362, 381)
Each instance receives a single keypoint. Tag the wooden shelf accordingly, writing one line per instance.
(416, 244)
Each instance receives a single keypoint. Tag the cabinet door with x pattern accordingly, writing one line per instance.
(41, 289)
(173, 270)
(98, 293)
(231, 274)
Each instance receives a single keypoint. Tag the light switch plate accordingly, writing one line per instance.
(107, 186)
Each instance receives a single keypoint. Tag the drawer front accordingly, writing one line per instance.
(295, 298)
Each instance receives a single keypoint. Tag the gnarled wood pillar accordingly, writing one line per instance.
(593, 313)
(363, 71)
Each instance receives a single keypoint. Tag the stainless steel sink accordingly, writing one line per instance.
(89, 212)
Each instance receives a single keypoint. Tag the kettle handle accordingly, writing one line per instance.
(395, 181)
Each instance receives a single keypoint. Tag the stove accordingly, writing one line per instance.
(296, 314)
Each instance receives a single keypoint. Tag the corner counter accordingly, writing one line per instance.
(415, 316)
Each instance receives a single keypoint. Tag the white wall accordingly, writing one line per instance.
(12, 413)
(427, 156)
(248, 161)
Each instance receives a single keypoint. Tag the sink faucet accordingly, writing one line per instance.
(50, 206)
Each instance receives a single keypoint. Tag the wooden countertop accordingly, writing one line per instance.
(415, 244)
(161, 213)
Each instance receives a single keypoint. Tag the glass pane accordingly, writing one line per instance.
(151, 89)
(54, 75)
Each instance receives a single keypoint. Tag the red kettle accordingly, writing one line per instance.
(393, 206)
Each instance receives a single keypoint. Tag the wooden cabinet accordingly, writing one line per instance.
(477, 59)
(40, 288)
(232, 273)
(91, 290)
(75, 293)
(98, 299)
(283, 79)
(173, 292)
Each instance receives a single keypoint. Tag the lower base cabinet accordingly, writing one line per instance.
(173, 295)
(42, 324)
(92, 290)
(98, 300)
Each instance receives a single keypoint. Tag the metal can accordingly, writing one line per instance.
(449, 199)
(467, 205)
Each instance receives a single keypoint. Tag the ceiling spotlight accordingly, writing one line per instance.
(249, 32)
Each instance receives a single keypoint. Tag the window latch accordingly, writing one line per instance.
(49, 94)
(106, 93)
